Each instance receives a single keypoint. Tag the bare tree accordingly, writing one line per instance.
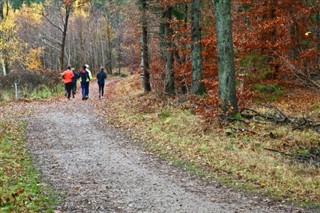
(67, 6)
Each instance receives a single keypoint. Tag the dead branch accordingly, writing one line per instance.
(310, 158)
(279, 117)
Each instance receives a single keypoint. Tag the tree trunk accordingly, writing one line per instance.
(145, 49)
(64, 35)
(4, 70)
(119, 39)
(318, 37)
(197, 84)
(1, 9)
(109, 54)
(227, 80)
(119, 53)
(169, 59)
(109, 48)
(2, 56)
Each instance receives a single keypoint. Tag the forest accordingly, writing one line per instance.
(239, 48)
(250, 69)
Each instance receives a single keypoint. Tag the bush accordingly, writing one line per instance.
(272, 91)
(30, 84)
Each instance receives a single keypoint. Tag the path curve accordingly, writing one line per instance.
(98, 169)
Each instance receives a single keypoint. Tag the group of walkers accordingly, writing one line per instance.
(71, 76)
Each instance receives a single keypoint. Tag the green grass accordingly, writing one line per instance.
(20, 186)
(39, 93)
(6, 96)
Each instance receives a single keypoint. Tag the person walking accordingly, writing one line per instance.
(84, 81)
(75, 78)
(101, 77)
(88, 80)
(67, 77)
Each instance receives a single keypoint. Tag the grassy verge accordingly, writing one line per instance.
(21, 190)
(237, 158)
(30, 95)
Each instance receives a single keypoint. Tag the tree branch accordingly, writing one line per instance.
(53, 24)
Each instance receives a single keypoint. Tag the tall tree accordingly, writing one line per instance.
(168, 53)
(1, 37)
(144, 48)
(8, 37)
(227, 79)
(109, 54)
(2, 55)
(67, 6)
(197, 84)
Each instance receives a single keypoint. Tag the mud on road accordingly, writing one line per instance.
(96, 168)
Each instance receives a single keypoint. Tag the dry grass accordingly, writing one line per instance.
(234, 154)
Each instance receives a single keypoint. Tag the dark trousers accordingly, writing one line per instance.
(85, 89)
(101, 89)
(74, 88)
(68, 87)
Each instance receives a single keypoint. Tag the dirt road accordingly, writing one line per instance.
(98, 169)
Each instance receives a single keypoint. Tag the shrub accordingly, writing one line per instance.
(272, 91)
(30, 84)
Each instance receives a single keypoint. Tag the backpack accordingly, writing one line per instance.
(84, 75)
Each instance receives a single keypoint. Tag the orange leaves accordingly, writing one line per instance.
(68, 3)
(276, 29)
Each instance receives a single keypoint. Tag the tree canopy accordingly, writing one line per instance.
(273, 46)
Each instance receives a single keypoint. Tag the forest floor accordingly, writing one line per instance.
(98, 168)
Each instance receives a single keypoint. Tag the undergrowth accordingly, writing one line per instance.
(235, 154)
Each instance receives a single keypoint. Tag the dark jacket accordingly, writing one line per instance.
(84, 75)
(76, 76)
(101, 77)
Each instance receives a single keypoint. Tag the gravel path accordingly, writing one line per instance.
(97, 169)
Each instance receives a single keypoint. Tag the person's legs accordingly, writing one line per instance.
(74, 88)
(87, 90)
(99, 90)
(65, 90)
(102, 90)
(83, 89)
(69, 88)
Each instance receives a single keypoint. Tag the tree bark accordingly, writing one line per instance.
(109, 19)
(1, 9)
(109, 48)
(317, 37)
(227, 79)
(145, 49)
(197, 84)
(64, 35)
(4, 70)
(169, 59)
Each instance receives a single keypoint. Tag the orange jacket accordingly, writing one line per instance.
(67, 76)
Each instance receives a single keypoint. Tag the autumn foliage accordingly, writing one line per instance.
(276, 43)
